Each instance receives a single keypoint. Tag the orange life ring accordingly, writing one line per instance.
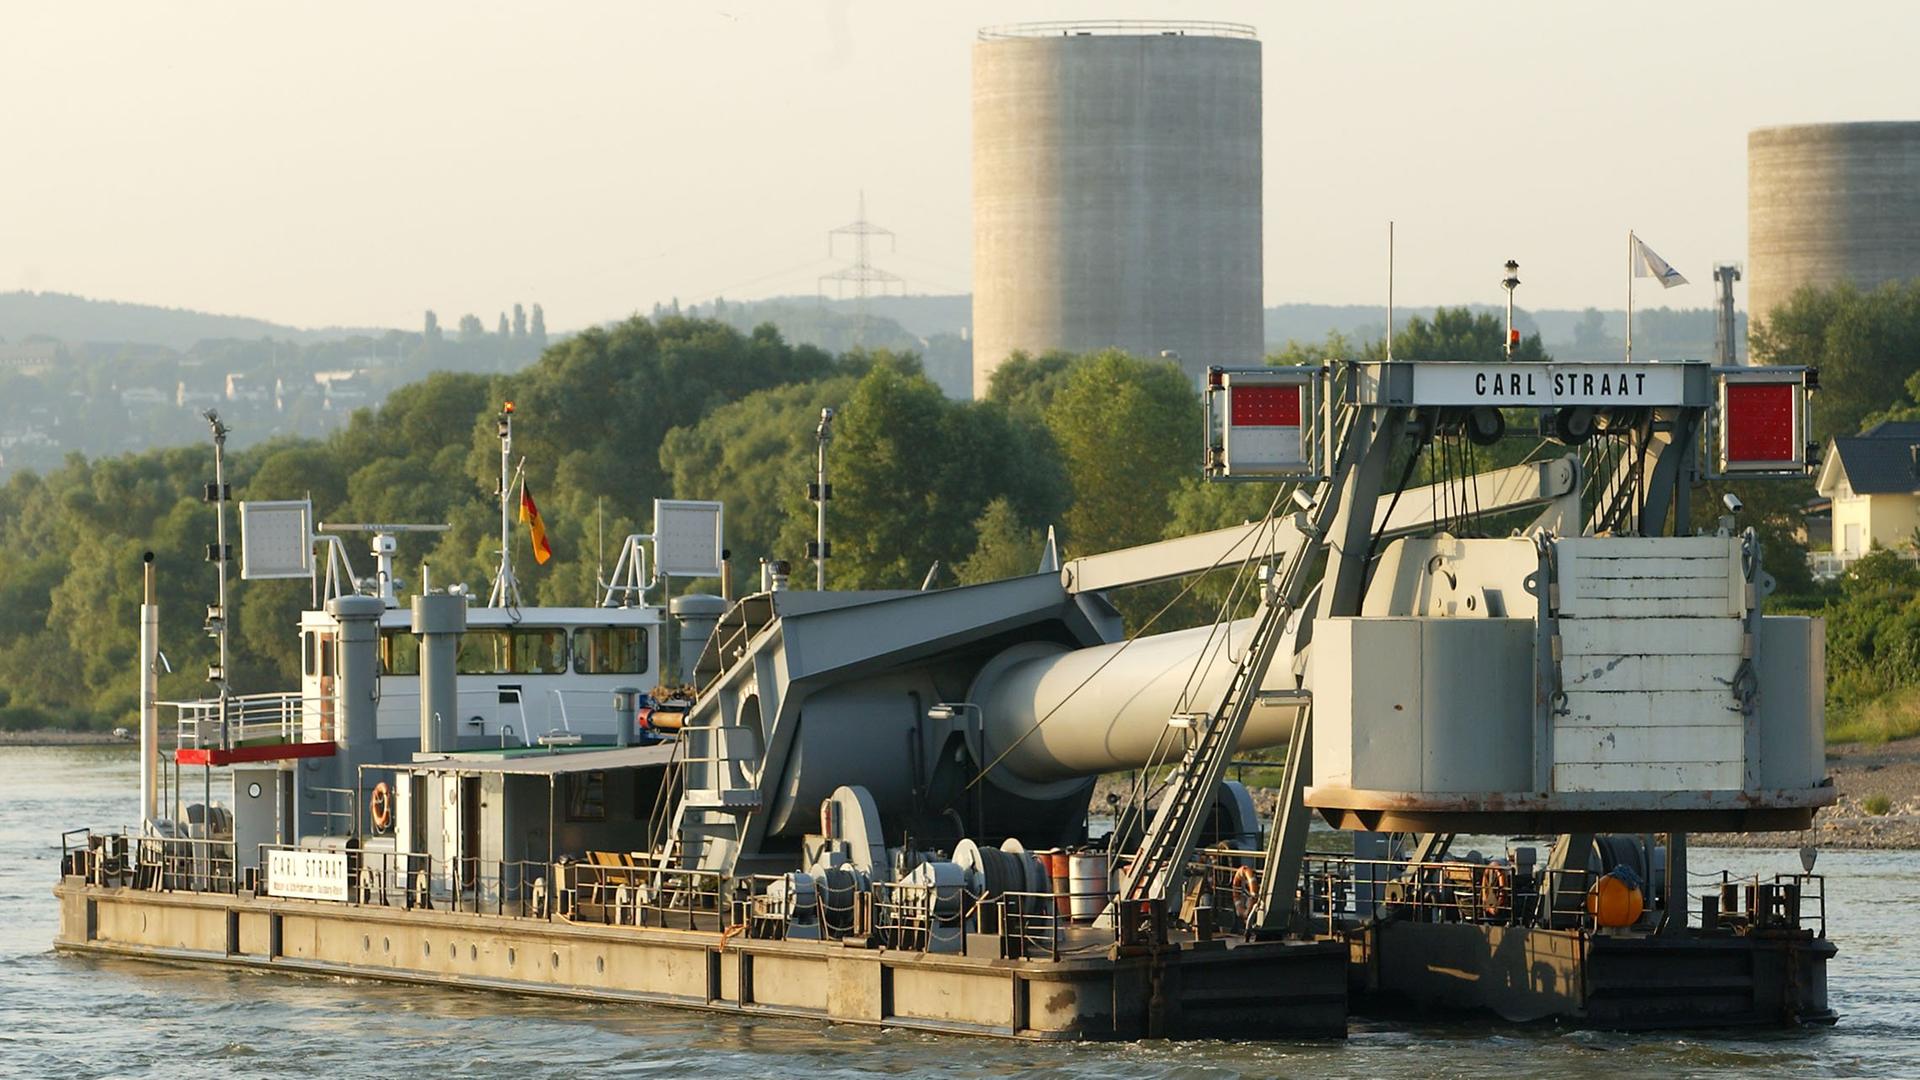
(380, 805)
(1245, 888)
(1496, 889)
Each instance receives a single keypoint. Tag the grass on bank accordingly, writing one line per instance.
(1893, 715)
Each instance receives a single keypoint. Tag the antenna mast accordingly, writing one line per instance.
(1726, 349)
(506, 591)
(218, 553)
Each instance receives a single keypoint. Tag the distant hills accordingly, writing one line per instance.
(1593, 334)
(831, 324)
(77, 320)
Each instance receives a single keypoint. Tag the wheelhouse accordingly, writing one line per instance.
(525, 675)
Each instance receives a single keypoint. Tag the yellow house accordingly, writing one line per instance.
(1874, 482)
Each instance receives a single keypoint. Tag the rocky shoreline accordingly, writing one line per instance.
(1846, 825)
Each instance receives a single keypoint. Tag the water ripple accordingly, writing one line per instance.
(76, 1017)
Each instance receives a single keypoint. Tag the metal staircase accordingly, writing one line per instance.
(1159, 870)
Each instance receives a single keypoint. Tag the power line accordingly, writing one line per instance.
(861, 272)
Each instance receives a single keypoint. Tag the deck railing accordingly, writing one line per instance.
(1757, 904)
(1132, 27)
(126, 859)
(251, 719)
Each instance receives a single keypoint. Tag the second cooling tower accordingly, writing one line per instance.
(1116, 192)
(1829, 203)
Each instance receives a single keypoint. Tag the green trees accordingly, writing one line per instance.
(911, 472)
(1459, 334)
(1004, 546)
(1866, 345)
(753, 454)
(593, 413)
(1128, 431)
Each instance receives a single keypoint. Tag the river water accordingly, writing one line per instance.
(72, 1017)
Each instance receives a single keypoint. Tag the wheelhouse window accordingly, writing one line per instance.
(587, 796)
(513, 652)
(399, 653)
(610, 650)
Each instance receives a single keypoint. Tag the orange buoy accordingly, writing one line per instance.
(1615, 900)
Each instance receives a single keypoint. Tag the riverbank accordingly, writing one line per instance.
(62, 738)
(1883, 777)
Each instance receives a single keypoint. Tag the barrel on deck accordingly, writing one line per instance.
(1089, 884)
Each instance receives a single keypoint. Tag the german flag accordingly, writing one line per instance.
(530, 514)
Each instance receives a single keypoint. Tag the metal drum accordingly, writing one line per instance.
(1059, 878)
(1089, 884)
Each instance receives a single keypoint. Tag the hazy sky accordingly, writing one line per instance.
(355, 163)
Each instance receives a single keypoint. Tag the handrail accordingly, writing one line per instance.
(1101, 27)
(1340, 889)
(519, 704)
(277, 717)
(630, 581)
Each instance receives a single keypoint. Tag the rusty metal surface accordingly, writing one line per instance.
(1569, 811)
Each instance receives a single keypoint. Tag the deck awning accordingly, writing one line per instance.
(543, 762)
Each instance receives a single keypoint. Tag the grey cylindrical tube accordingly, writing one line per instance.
(697, 614)
(439, 620)
(1097, 719)
(359, 618)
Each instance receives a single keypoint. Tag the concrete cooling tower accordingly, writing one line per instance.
(1831, 202)
(1116, 191)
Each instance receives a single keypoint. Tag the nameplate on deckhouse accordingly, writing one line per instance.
(302, 874)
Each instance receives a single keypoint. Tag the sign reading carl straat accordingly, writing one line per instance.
(1624, 384)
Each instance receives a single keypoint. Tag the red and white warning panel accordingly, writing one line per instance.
(1762, 421)
(1265, 427)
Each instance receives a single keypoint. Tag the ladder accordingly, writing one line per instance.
(1159, 869)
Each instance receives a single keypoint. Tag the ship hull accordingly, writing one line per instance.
(1629, 982)
(1296, 989)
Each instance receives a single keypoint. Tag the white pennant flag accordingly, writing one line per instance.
(1647, 264)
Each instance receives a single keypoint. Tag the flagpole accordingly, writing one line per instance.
(1629, 295)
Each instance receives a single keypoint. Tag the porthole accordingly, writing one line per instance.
(253, 790)
(386, 945)
(556, 961)
(473, 952)
(600, 964)
(510, 956)
(426, 948)
(366, 943)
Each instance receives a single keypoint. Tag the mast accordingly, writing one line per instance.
(506, 591)
(820, 491)
(149, 692)
(1629, 294)
(217, 494)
